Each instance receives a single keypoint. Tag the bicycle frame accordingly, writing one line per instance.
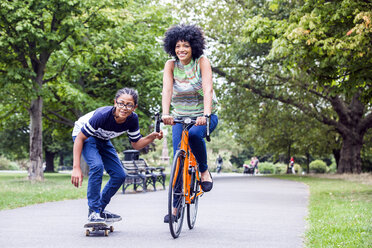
(190, 164)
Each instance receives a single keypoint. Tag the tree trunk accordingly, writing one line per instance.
(350, 160)
(288, 159)
(49, 160)
(307, 163)
(336, 154)
(352, 126)
(61, 159)
(35, 172)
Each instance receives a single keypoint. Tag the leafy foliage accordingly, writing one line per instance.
(318, 166)
(6, 164)
(75, 55)
(313, 57)
(267, 168)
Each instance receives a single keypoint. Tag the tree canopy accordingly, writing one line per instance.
(293, 77)
(314, 56)
(61, 59)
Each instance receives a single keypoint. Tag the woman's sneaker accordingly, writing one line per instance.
(95, 217)
(110, 217)
(166, 218)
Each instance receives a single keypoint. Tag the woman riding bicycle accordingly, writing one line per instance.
(188, 87)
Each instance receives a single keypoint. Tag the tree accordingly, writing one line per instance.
(57, 52)
(31, 31)
(280, 130)
(127, 54)
(312, 55)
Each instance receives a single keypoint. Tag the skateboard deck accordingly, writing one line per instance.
(95, 228)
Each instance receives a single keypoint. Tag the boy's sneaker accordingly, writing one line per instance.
(95, 217)
(110, 217)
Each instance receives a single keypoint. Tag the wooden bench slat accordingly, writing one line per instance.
(156, 172)
(134, 176)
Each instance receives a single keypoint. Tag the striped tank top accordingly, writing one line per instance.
(187, 98)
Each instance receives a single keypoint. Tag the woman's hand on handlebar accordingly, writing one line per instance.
(201, 121)
(167, 120)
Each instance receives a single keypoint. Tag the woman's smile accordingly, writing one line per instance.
(183, 51)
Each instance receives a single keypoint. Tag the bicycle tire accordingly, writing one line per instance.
(176, 198)
(192, 208)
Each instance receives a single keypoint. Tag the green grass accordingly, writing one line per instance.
(16, 191)
(340, 212)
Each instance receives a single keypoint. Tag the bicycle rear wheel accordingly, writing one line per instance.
(176, 199)
(192, 208)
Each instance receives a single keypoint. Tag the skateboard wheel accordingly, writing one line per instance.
(111, 228)
(87, 232)
(106, 232)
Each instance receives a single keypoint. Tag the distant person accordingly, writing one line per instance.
(249, 168)
(219, 163)
(91, 135)
(255, 165)
(252, 162)
(291, 167)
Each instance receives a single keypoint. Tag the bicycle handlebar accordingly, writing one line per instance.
(157, 122)
(187, 121)
(208, 135)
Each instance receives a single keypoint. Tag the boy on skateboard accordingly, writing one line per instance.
(91, 135)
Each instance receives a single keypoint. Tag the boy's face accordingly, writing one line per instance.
(124, 106)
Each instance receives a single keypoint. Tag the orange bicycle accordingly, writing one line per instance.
(184, 184)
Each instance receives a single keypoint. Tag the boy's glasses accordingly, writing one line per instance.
(123, 105)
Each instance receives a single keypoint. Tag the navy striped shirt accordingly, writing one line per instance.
(101, 124)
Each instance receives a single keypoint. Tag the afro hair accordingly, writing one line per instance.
(190, 33)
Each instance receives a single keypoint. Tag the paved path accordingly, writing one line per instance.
(241, 211)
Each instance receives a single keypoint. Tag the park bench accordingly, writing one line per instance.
(139, 174)
(157, 173)
(133, 176)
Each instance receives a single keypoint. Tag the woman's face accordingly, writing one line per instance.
(124, 107)
(183, 51)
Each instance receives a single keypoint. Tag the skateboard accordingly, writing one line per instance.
(94, 228)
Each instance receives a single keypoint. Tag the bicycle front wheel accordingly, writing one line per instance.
(192, 208)
(176, 198)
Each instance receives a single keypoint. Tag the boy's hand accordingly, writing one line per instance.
(158, 135)
(77, 177)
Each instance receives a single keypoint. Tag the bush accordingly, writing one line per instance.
(332, 168)
(6, 164)
(318, 166)
(298, 168)
(280, 168)
(266, 168)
